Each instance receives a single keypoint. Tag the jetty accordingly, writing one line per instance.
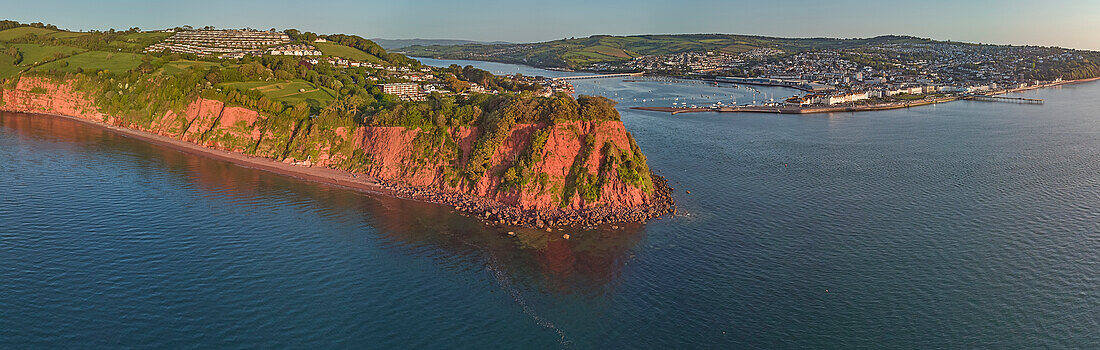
(990, 98)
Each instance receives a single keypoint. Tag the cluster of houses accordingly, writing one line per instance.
(550, 86)
(232, 43)
(342, 62)
(294, 50)
(844, 97)
(694, 62)
(226, 43)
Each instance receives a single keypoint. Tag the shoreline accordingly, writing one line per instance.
(488, 210)
(864, 108)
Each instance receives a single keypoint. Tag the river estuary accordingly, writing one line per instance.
(960, 225)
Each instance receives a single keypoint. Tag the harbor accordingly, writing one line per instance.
(777, 108)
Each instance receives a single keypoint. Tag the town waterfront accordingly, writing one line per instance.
(959, 225)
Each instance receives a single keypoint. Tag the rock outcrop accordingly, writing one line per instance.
(570, 157)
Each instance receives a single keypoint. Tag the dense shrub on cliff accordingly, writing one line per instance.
(520, 173)
(579, 181)
(494, 116)
(138, 98)
(473, 110)
(494, 127)
(631, 165)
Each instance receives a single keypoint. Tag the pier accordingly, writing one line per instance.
(599, 76)
(988, 98)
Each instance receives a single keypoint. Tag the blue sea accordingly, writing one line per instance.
(959, 225)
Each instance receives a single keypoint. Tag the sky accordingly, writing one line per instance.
(1066, 23)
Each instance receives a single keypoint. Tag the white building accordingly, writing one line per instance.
(406, 91)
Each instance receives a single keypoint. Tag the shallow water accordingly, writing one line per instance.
(961, 225)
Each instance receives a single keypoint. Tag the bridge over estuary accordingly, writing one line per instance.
(599, 76)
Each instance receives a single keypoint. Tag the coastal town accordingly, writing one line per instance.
(410, 83)
(872, 76)
(873, 72)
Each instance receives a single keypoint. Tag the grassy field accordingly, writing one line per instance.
(333, 49)
(19, 32)
(93, 60)
(293, 91)
(32, 54)
(67, 35)
(176, 67)
(8, 69)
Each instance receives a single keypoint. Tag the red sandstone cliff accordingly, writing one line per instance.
(388, 153)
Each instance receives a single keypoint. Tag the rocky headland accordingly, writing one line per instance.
(570, 173)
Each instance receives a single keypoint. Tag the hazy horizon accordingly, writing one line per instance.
(1071, 24)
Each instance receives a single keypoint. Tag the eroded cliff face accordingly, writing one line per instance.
(576, 165)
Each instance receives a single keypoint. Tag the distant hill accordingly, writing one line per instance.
(392, 44)
(580, 52)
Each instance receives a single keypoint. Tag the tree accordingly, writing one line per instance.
(145, 67)
(283, 75)
(456, 85)
(294, 34)
(597, 108)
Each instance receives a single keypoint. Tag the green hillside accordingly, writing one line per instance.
(15, 33)
(580, 52)
(337, 50)
(8, 67)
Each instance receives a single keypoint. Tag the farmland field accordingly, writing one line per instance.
(32, 54)
(293, 91)
(176, 67)
(93, 60)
